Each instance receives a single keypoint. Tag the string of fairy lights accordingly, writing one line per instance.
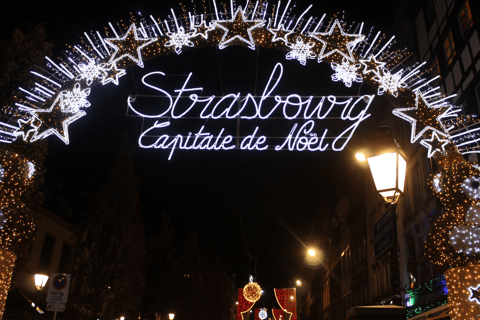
(60, 96)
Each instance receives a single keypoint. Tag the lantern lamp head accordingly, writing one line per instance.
(40, 281)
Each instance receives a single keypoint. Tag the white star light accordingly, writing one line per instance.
(404, 114)
(280, 30)
(339, 43)
(346, 72)
(126, 50)
(301, 51)
(112, 74)
(434, 144)
(242, 31)
(57, 104)
(90, 72)
(390, 82)
(205, 29)
(23, 124)
(179, 39)
(73, 101)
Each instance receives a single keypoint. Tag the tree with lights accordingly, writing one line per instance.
(108, 275)
(21, 171)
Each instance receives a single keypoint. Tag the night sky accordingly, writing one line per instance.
(280, 198)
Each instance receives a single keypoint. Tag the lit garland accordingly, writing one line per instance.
(287, 300)
(463, 284)
(7, 262)
(243, 305)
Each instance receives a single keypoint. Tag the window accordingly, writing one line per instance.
(465, 17)
(46, 254)
(449, 48)
(64, 257)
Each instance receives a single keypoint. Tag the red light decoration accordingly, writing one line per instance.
(287, 300)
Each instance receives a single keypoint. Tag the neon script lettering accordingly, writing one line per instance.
(303, 136)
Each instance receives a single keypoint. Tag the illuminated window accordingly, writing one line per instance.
(449, 48)
(465, 17)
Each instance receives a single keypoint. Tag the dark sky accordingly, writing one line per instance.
(278, 197)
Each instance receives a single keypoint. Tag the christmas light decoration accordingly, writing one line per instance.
(435, 144)
(7, 262)
(90, 72)
(471, 186)
(238, 28)
(252, 291)
(179, 40)
(300, 51)
(287, 300)
(346, 72)
(243, 305)
(263, 314)
(129, 46)
(60, 97)
(389, 82)
(463, 284)
(336, 41)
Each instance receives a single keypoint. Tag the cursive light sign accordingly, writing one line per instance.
(302, 136)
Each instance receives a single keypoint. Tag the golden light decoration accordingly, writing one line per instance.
(7, 262)
(252, 292)
(463, 285)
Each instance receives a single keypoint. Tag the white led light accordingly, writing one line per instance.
(465, 239)
(179, 40)
(389, 82)
(300, 51)
(90, 72)
(262, 314)
(471, 187)
(438, 182)
(3, 219)
(75, 99)
(346, 72)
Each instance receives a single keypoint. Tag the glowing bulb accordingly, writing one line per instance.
(360, 156)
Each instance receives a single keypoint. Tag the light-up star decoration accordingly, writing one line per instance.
(423, 118)
(179, 40)
(435, 144)
(129, 46)
(280, 34)
(238, 28)
(346, 72)
(300, 51)
(336, 41)
(372, 65)
(475, 294)
(112, 73)
(202, 29)
(54, 120)
(26, 128)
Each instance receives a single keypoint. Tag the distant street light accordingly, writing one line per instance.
(298, 283)
(40, 282)
(171, 316)
(387, 164)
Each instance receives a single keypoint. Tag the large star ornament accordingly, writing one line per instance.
(336, 41)
(129, 46)
(54, 120)
(238, 28)
(423, 117)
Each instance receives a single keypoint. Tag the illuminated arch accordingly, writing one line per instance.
(59, 98)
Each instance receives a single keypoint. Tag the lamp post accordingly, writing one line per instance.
(388, 166)
(40, 282)
(171, 316)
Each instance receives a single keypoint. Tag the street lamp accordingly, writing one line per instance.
(40, 282)
(298, 283)
(313, 257)
(387, 164)
(171, 316)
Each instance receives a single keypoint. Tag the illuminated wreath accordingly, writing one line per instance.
(60, 95)
(252, 292)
